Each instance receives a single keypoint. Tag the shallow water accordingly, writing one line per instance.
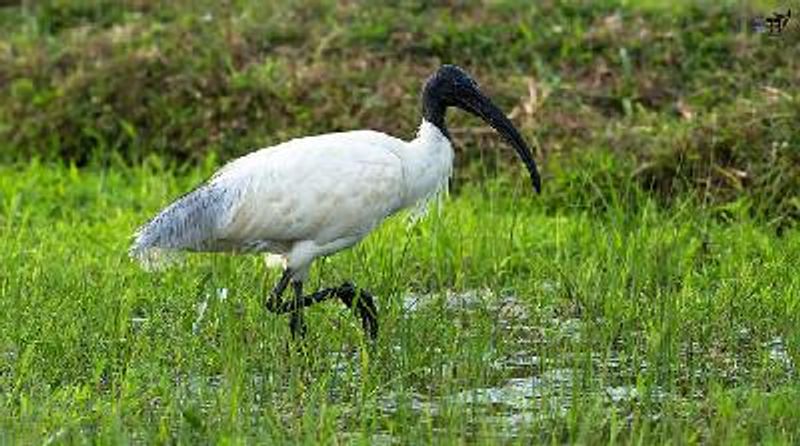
(527, 388)
(536, 388)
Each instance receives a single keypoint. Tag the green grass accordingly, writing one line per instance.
(689, 322)
(649, 295)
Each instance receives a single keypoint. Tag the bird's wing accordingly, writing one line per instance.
(317, 188)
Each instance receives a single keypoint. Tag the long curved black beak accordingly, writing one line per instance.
(475, 102)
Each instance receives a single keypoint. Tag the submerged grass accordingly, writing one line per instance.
(501, 320)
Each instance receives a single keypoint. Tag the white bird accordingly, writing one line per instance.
(314, 196)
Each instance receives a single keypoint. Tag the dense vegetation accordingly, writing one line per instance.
(681, 97)
(648, 295)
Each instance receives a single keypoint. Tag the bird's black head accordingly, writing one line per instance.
(443, 89)
(451, 86)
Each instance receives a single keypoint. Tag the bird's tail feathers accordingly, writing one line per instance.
(188, 224)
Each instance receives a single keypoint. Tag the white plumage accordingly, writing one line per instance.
(304, 198)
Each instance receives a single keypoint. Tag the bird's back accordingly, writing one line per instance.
(316, 188)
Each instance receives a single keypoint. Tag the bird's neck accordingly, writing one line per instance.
(427, 163)
(433, 107)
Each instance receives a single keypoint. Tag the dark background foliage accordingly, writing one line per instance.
(684, 99)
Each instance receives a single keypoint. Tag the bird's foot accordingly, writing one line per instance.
(358, 300)
(364, 304)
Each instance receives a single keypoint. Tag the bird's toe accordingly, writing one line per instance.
(368, 313)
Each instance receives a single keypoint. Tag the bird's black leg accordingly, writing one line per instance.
(361, 301)
(296, 322)
(276, 305)
(274, 299)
